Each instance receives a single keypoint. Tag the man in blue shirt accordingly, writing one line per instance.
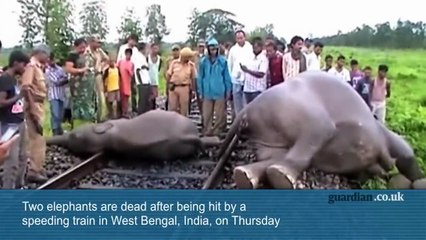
(214, 88)
(363, 86)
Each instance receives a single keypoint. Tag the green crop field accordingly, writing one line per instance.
(406, 112)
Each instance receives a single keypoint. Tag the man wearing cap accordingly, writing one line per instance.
(181, 75)
(35, 92)
(175, 55)
(98, 61)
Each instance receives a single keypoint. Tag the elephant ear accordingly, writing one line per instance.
(102, 127)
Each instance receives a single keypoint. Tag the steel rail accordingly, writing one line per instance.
(218, 172)
(65, 179)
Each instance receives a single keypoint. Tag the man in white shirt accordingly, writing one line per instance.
(239, 54)
(142, 79)
(314, 58)
(340, 71)
(131, 43)
(255, 72)
(154, 63)
(132, 40)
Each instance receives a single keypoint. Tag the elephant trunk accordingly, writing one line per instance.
(61, 140)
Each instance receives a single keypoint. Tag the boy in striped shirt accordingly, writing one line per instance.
(56, 81)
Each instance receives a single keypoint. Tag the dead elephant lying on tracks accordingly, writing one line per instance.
(315, 120)
(157, 134)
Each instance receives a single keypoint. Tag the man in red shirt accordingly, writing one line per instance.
(275, 65)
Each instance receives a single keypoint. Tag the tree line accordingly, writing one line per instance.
(406, 34)
(52, 22)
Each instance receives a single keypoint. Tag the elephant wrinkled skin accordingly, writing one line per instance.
(157, 134)
(316, 120)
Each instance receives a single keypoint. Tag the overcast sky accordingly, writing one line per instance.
(321, 18)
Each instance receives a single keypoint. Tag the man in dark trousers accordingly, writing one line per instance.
(143, 80)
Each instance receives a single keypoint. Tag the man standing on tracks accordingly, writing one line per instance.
(143, 79)
(182, 74)
(197, 59)
(56, 81)
(239, 54)
(154, 63)
(98, 61)
(175, 55)
(132, 42)
(214, 88)
(12, 116)
(82, 84)
(35, 93)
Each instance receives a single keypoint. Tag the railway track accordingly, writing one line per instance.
(102, 172)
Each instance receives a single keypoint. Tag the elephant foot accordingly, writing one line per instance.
(244, 178)
(420, 184)
(251, 176)
(281, 177)
(399, 182)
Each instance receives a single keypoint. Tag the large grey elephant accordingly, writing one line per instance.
(157, 134)
(315, 120)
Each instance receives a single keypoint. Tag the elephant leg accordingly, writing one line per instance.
(251, 176)
(283, 175)
(405, 160)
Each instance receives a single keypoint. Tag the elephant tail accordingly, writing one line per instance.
(240, 122)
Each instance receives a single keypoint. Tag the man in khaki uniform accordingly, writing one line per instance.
(100, 63)
(182, 74)
(35, 92)
(175, 55)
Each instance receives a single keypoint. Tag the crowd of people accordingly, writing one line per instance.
(214, 74)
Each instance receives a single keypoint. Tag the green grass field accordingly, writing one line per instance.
(406, 111)
(407, 105)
